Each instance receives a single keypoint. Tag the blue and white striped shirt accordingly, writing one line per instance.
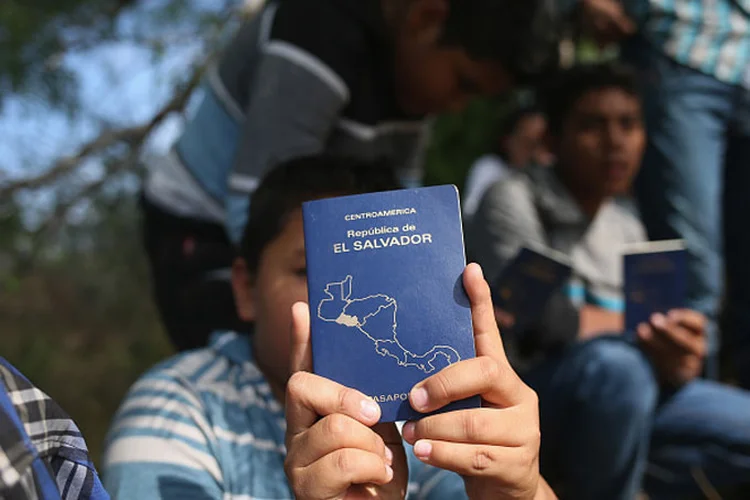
(712, 36)
(205, 425)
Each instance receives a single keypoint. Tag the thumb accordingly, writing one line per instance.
(486, 334)
(300, 346)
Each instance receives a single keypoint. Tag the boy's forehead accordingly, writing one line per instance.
(291, 238)
(606, 99)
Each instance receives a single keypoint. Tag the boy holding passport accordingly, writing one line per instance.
(228, 420)
(617, 415)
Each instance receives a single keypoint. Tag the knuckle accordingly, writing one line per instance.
(439, 387)
(292, 473)
(701, 349)
(344, 396)
(527, 458)
(489, 368)
(345, 463)
(424, 428)
(336, 426)
(475, 429)
(296, 385)
(482, 460)
(535, 439)
(532, 398)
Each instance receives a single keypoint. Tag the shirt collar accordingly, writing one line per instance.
(233, 346)
(554, 200)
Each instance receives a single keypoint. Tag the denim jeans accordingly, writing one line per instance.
(695, 184)
(609, 430)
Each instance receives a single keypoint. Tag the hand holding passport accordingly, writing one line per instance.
(329, 424)
(655, 292)
(404, 319)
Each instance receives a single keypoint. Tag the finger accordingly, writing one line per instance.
(504, 319)
(309, 397)
(388, 433)
(623, 24)
(617, 19)
(687, 318)
(486, 335)
(495, 381)
(511, 427)
(301, 349)
(333, 474)
(680, 338)
(654, 343)
(335, 432)
(477, 460)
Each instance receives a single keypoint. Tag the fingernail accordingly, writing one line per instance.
(408, 431)
(419, 398)
(481, 271)
(369, 409)
(388, 473)
(388, 455)
(658, 320)
(422, 449)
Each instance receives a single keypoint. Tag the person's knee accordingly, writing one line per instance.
(619, 379)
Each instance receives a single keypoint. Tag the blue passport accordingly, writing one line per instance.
(526, 285)
(387, 303)
(655, 275)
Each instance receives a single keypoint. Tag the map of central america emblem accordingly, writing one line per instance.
(375, 316)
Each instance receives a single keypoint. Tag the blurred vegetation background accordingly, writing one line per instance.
(88, 89)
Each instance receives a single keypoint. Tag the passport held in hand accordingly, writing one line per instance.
(387, 303)
(655, 276)
(526, 285)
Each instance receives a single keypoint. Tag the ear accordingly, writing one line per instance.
(243, 285)
(425, 19)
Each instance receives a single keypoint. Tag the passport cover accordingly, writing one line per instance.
(655, 276)
(526, 284)
(387, 303)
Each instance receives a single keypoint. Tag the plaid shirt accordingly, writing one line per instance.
(712, 36)
(42, 452)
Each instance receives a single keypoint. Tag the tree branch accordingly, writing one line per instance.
(108, 138)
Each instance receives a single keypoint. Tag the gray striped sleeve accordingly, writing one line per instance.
(505, 221)
(293, 107)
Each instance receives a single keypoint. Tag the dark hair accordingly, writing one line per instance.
(572, 84)
(511, 120)
(287, 186)
(522, 35)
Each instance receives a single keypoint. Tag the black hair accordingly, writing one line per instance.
(286, 187)
(522, 35)
(572, 84)
(511, 120)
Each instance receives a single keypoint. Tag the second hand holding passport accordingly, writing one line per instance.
(329, 424)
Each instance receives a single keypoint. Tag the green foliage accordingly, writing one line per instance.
(459, 139)
(34, 35)
(80, 322)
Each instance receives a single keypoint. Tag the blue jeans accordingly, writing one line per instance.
(695, 184)
(608, 430)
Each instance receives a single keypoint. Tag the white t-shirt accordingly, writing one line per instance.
(485, 172)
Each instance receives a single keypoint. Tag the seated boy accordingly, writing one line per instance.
(213, 423)
(617, 415)
(42, 453)
(520, 143)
